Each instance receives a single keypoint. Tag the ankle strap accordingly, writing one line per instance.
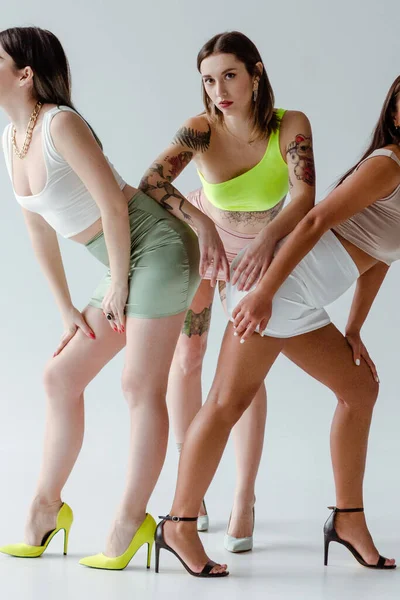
(177, 519)
(345, 510)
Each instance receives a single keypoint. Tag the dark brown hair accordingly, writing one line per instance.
(265, 119)
(385, 132)
(42, 51)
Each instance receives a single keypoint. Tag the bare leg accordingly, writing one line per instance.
(184, 384)
(240, 372)
(65, 379)
(327, 357)
(249, 440)
(149, 351)
(184, 397)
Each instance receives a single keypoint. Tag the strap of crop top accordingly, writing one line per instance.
(382, 152)
(49, 144)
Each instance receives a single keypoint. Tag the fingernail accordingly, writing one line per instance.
(358, 362)
(235, 333)
(123, 329)
(377, 379)
(55, 354)
(115, 329)
(92, 336)
(242, 341)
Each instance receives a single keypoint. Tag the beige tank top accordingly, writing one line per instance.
(376, 229)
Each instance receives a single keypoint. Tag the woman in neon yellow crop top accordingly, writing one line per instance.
(247, 155)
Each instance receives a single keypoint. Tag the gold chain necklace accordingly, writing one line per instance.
(28, 136)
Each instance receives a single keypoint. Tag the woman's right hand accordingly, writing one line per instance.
(353, 338)
(73, 320)
(212, 252)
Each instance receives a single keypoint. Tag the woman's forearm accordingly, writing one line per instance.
(368, 285)
(158, 187)
(291, 215)
(117, 235)
(299, 243)
(47, 252)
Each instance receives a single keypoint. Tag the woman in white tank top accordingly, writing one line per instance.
(65, 184)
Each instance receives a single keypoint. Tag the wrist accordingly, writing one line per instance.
(353, 329)
(119, 284)
(202, 221)
(269, 235)
(66, 312)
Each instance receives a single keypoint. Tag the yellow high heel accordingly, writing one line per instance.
(64, 521)
(144, 535)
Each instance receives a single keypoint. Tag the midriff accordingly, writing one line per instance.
(250, 223)
(362, 260)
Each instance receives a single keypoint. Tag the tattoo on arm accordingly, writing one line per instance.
(197, 140)
(300, 155)
(197, 323)
(165, 186)
(178, 163)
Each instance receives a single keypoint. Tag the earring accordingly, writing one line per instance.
(255, 91)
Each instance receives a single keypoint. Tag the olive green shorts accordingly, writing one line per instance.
(164, 266)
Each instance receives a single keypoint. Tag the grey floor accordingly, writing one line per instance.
(285, 563)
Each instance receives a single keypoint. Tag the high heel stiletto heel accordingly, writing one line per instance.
(203, 522)
(330, 535)
(161, 543)
(236, 545)
(144, 535)
(64, 521)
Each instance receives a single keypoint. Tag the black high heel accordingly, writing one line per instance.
(330, 535)
(161, 543)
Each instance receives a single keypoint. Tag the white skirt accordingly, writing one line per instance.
(323, 275)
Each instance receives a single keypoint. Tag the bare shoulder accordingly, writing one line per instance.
(195, 133)
(294, 118)
(379, 173)
(65, 121)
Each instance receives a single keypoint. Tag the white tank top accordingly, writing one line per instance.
(64, 202)
(376, 228)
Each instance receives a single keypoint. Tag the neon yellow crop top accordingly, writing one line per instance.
(260, 188)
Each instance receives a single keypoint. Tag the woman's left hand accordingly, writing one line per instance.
(253, 310)
(254, 262)
(113, 304)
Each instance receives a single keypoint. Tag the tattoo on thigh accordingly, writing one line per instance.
(197, 140)
(197, 323)
(300, 156)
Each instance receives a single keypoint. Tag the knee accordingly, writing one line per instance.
(228, 404)
(59, 384)
(143, 389)
(363, 396)
(189, 354)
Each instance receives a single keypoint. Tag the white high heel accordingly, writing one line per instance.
(233, 544)
(203, 522)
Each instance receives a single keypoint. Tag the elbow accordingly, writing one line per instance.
(117, 212)
(313, 225)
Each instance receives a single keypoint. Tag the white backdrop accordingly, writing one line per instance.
(135, 79)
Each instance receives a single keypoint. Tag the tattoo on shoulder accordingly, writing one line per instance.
(300, 155)
(197, 140)
(197, 323)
